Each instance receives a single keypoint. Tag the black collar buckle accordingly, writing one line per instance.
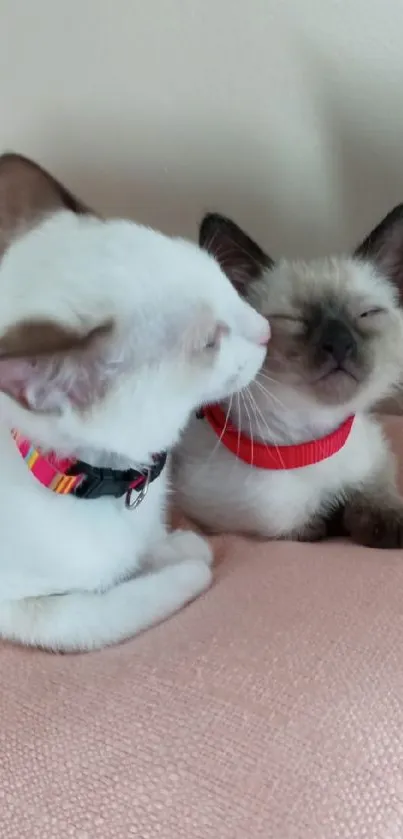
(97, 482)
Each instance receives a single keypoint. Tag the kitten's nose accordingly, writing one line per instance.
(253, 326)
(265, 334)
(337, 341)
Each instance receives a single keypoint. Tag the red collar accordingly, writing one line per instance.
(264, 456)
(75, 477)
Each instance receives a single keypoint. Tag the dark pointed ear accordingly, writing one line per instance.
(241, 259)
(44, 365)
(384, 247)
(27, 195)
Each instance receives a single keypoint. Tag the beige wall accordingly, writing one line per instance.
(286, 114)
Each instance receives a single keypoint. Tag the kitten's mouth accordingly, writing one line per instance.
(336, 385)
(336, 372)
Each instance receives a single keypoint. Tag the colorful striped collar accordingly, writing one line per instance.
(66, 476)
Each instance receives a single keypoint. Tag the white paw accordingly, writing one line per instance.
(188, 545)
(191, 578)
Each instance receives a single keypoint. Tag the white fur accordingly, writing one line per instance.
(69, 568)
(224, 493)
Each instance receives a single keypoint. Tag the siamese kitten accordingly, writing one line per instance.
(298, 455)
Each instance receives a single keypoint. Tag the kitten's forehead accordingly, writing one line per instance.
(84, 265)
(343, 280)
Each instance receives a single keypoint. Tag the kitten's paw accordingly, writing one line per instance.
(191, 578)
(313, 531)
(189, 545)
(325, 525)
(376, 528)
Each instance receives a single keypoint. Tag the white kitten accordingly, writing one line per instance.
(336, 350)
(110, 336)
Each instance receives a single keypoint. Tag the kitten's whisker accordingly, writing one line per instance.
(250, 426)
(266, 378)
(216, 445)
(235, 464)
(263, 375)
(270, 395)
(253, 407)
(260, 419)
(261, 424)
(269, 431)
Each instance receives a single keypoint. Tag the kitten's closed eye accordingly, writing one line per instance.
(292, 324)
(372, 320)
(214, 340)
(369, 313)
(291, 318)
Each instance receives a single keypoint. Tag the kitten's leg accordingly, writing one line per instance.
(90, 620)
(323, 525)
(373, 515)
(315, 530)
(177, 546)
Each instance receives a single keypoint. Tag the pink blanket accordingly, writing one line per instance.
(272, 707)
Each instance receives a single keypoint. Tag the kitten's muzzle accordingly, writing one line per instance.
(336, 343)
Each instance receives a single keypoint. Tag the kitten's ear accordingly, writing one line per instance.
(241, 259)
(44, 365)
(384, 247)
(27, 195)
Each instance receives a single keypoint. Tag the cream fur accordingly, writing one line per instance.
(222, 492)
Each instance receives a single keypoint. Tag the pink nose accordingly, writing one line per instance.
(266, 336)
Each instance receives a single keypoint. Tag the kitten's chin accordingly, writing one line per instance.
(336, 387)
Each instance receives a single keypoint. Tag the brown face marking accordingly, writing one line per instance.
(39, 349)
(34, 338)
(331, 333)
(326, 337)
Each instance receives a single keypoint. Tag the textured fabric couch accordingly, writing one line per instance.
(272, 707)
